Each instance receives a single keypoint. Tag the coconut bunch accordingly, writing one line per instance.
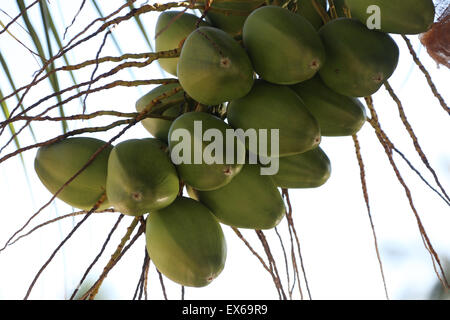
(245, 66)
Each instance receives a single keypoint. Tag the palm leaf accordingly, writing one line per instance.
(13, 86)
(37, 43)
(5, 111)
(141, 27)
(57, 38)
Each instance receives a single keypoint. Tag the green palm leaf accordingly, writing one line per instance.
(5, 111)
(37, 43)
(13, 86)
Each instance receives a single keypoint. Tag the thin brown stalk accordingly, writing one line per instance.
(261, 260)
(97, 56)
(426, 74)
(74, 18)
(64, 136)
(163, 287)
(294, 231)
(73, 214)
(108, 238)
(140, 286)
(388, 150)
(115, 257)
(285, 262)
(414, 138)
(95, 207)
(332, 9)
(17, 17)
(321, 11)
(149, 56)
(240, 236)
(419, 174)
(366, 199)
(272, 261)
(294, 265)
(146, 279)
(81, 116)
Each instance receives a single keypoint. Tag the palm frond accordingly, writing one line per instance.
(13, 86)
(141, 28)
(5, 111)
(54, 82)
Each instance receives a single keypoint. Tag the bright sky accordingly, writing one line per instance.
(332, 222)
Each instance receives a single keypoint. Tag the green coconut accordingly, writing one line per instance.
(307, 10)
(270, 106)
(172, 27)
(159, 128)
(56, 163)
(213, 68)
(233, 20)
(250, 200)
(186, 243)
(395, 16)
(359, 60)
(283, 46)
(337, 115)
(306, 170)
(141, 177)
(189, 148)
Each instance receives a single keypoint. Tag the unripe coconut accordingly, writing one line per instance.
(141, 177)
(306, 170)
(171, 30)
(193, 167)
(213, 68)
(55, 164)
(186, 243)
(233, 20)
(283, 46)
(270, 106)
(250, 200)
(307, 10)
(359, 60)
(395, 16)
(337, 115)
(159, 128)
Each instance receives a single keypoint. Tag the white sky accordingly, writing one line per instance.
(332, 222)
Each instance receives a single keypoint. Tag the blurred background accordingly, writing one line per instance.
(337, 243)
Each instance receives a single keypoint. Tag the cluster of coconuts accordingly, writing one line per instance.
(267, 67)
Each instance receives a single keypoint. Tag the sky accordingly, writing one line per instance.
(337, 243)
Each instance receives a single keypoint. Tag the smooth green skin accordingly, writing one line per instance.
(306, 170)
(270, 106)
(283, 46)
(177, 28)
(336, 114)
(250, 201)
(359, 60)
(397, 16)
(186, 243)
(141, 177)
(159, 128)
(231, 23)
(307, 10)
(213, 68)
(206, 176)
(55, 164)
